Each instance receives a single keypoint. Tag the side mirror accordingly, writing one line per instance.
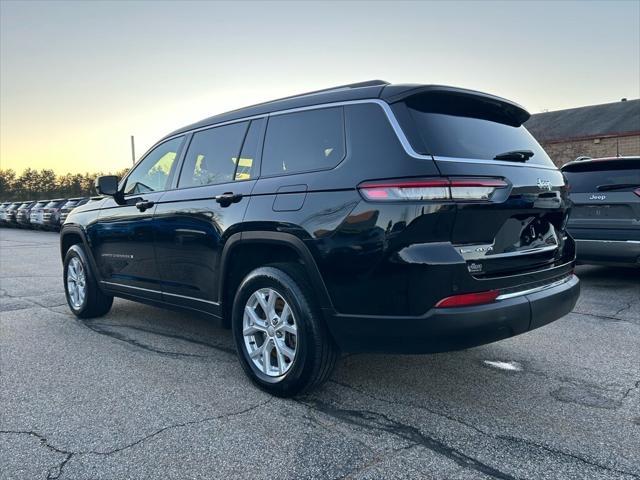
(108, 185)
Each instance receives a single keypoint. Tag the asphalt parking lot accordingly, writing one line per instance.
(149, 393)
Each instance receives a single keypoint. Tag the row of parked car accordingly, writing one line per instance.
(38, 214)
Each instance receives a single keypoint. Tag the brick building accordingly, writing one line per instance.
(595, 131)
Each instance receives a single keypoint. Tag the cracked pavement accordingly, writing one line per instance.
(147, 393)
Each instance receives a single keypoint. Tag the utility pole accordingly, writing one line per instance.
(133, 151)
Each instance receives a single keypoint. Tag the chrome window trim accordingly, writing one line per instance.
(506, 296)
(606, 241)
(392, 121)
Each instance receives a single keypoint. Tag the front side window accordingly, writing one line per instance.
(304, 141)
(212, 155)
(153, 173)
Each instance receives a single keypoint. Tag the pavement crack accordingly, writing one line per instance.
(178, 425)
(56, 471)
(375, 421)
(626, 307)
(184, 338)
(629, 390)
(103, 329)
(603, 317)
(557, 452)
(373, 462)
(509, 438)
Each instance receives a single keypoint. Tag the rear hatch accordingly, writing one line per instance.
(520, 227)
(606, 198)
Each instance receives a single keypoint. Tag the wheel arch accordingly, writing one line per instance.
(74, 235)
(285, 247)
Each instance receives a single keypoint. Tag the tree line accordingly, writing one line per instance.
(44, 184)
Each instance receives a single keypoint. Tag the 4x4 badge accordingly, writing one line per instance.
(544, 184)
(474, 267)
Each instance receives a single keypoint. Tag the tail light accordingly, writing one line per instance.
(468, 299)
(461, 189)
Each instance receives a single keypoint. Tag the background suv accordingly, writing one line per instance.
(605, 218)
(10, 214)
(3, 211)
(370, 217)
(70, 205)
(22, 214)
(51, 214)
(36, 216)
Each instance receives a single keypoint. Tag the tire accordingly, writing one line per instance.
(315, 351)
(94, 303)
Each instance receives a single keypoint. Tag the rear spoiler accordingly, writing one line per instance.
(457, 101)
(602, 164)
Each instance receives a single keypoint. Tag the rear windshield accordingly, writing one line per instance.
(54, 204)
(469, 128)
(602, 181)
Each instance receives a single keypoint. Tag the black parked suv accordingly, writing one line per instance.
(605, 217)
(370, 217)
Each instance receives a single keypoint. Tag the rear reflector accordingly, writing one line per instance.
(468, 299)
(463, 189)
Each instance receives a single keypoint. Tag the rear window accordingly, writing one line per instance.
(469, 128)
(603, 176)
(304, 141)
(54, 204)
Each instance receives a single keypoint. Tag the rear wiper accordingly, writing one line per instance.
(515, 156)
(616, 186)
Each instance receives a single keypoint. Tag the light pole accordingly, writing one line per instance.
(133, 151)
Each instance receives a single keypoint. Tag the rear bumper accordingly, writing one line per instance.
(608, 252)
(447, 329)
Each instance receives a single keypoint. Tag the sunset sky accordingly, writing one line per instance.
(77, 79)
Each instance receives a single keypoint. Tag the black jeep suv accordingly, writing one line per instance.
(369, 217)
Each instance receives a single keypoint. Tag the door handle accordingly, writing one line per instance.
(142, 205)
(228, 198)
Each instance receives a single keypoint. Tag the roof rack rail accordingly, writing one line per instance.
(368, 83)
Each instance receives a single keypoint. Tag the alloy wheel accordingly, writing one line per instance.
(76, 282)
(270, 332)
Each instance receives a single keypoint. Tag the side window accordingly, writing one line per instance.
(304, 141)
(153, 173)
(212, 155)
(246, 168)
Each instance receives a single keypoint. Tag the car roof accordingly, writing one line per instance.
(584, 163)
(372, 89)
